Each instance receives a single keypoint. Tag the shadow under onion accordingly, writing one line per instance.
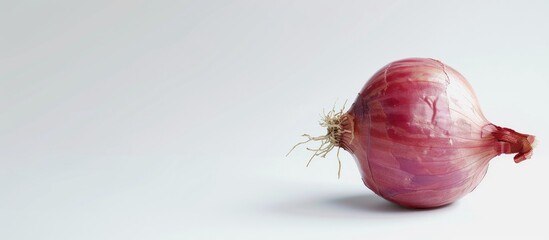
(355, 206)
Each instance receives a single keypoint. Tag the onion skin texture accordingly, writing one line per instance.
(419, 137)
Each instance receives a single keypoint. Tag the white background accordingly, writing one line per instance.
(171, 119)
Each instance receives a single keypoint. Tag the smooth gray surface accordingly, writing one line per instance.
(171, 119)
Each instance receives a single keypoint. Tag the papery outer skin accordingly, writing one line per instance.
(420, 138)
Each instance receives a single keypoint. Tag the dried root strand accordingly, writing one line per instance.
(332, 122)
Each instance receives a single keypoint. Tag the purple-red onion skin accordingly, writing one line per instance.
(419, 137)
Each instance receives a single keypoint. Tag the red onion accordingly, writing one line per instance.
(418, 135)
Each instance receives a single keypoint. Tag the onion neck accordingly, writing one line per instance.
(510, 141)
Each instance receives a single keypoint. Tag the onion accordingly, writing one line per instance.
(418, 135)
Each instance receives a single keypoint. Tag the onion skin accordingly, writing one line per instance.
(419, 137)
